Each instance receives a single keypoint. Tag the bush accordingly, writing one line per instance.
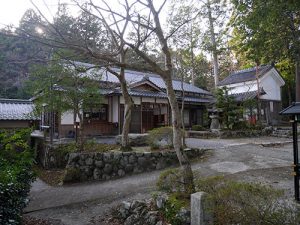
(161, 138)
(169, 181)
(16, 160)
(173, 205)
(247, 204)
(198, 128)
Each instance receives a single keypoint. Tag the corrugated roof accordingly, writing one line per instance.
(16, 109)
(293, 109)
(132, 76)
(245, 75)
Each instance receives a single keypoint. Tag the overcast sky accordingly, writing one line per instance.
(11, 11)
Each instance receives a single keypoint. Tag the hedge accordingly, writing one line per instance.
(16, 176)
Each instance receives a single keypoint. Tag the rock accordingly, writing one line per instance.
(106, 177)
(161, 164)
(126, 205)
(137, 170)
(97, 174)
(117, 156)
(89, 161)
(161, 200)
(107, 168)
(132, 220)
(152, 217)
(98, 156)
(134, 139)
(159, 223)
(123, 209)
(132, 159)
(99, 164)
(184, 216)
(87, 171)
(107, 157)
(121, 173)
(129, 168)
(115, 169)
(136, 204)
(74, 157)
(124, 161)
(142, 161)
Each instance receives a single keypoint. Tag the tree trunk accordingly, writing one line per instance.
(289, 91)
(125, 145)
(182, 112)
(81, 141)
(187, 173)
(213, 44)
(297, 81)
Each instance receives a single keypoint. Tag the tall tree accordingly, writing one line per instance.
(268, 31)
(140, 19)
(63, 86)
(17, 54)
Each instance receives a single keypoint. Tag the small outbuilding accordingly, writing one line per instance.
(264, 83)
(17, 113)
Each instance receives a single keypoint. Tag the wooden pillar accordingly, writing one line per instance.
(111, 109)
(141, 115)
(119, 115)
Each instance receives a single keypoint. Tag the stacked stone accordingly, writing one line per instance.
(106, 166)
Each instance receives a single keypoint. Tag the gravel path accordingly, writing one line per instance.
(242, 159)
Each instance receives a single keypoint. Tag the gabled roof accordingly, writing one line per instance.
(16, 109)
(293, 109)
(145, 81)
(245, 75)
(132, 76)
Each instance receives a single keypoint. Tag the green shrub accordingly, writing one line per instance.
(241, 125)
(172, 206)
(158, 135)
(89, 146)
(169, 181)
(198, 128)
(16, 176)
(71, 175)
(246, 204)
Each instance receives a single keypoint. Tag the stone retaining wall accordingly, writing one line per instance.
(110, 165)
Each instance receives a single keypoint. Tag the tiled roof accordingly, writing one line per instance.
(240, 97)
(132, 76)
(16, 109)
(140, 93)
(293, 109)
(197, 100)
(245, 75)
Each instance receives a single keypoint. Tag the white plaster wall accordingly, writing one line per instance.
(115, 109)
(67, 118)
(162, 100)
(271, 87)
(136, 100)
(122, 101)
(269, 82)
(145, 99)
(242, 87)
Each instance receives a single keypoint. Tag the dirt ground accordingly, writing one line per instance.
(265, 160)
